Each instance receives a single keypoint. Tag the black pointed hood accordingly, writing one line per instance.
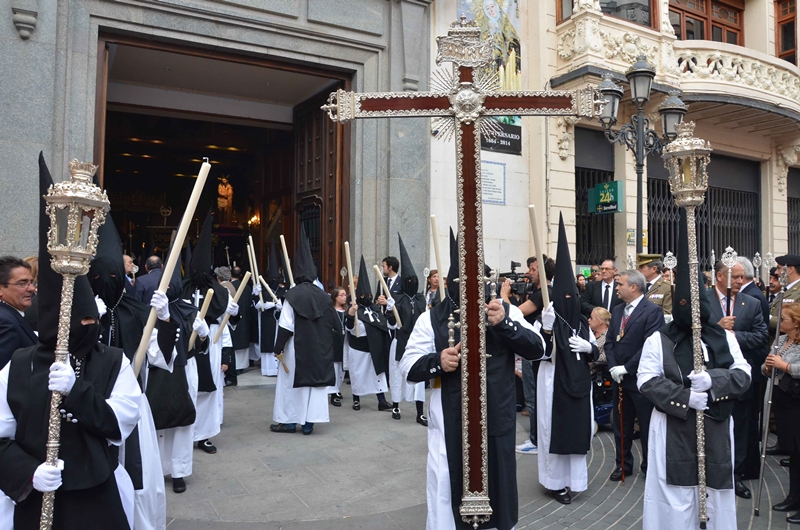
(680, 329)
(452, 274)
(107, 270)
(363, 289)
(572, 373)
(286, 280)
(200, 268)
(187, 257)
(82, 338)
(174, 292)
(303, 267)
(410, 280)
(273, 271)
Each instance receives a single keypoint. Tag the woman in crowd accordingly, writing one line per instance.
(786, 402)
(599, 321)
(580, 281)
(432, 289)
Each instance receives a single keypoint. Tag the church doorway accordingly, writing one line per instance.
(277, 161)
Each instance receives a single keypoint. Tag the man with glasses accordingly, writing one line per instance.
(603, 293)
(16, 289)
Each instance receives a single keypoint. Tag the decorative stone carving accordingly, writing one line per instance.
(626, 46)
(786, 157)
(565, 139)
(566, 44)
(25, 14)
(586, 5)
(666, 26)
(713, 64)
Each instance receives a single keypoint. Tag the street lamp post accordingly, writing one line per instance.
(637, 135)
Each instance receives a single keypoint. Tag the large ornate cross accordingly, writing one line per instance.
(463, 101)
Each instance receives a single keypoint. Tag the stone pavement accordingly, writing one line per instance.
(366, 471)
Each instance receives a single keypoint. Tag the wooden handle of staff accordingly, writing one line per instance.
(437, 256)
(266, 286)
(286, 262)
(352, 282)
(387, 294)
(236, 297)
(540, 255)
(251, 251)
(201, 315)
(172, 260)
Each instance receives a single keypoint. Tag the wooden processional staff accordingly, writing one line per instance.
(463, 101)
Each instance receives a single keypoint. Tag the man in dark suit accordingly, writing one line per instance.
(603, 293)
(390, 266)
(146, 284)
(746, 321)
(632, 322)
(16, 289)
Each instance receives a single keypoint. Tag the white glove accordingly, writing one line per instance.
(279, 305)
(102, 308)
(389, 304)
(548, 317)
(580, 345)
(161, 305)
(47, 477)
(200, 326)
(698, 400)
(256, 289)
(62, 378)
(667, 319)
(700, 382)
(233, 308)
(617, 372)
(265, 305)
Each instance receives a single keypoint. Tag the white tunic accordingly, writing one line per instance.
(269, 363)
(296, 405)
(176, 445)
(125, 402)
(363, 379)
(670, 507)
(402, 389)
(210, 404)
(556, 472)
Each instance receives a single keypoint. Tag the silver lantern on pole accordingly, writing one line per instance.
(77, 208)
(687, 158)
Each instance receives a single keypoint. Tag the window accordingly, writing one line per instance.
(708, 20)
(636, 11)
(786, 39)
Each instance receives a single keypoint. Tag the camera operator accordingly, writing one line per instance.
(531, 306)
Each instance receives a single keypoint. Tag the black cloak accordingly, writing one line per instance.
(377, 340)
(410, 303)
(269, 317)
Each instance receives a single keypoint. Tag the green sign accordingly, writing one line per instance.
(606, 198)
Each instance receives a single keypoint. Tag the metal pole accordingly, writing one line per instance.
(639, 176)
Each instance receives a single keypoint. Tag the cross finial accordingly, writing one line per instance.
(463, 20)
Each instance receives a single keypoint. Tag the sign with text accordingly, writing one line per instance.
(493, 182)
(606, 198)
(508, 140)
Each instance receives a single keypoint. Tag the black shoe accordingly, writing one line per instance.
(774, 450)
(616, 476)
(336, 402)
(788, 505)
(178, 485)
(422, 420)
(308, 429)
(785, 462)
(742, 490)
(231, 383)
(395, 414)
(207, 446)
(384, 405)
(356, 405)
(282, 427)
(794, 519)
(562, 496)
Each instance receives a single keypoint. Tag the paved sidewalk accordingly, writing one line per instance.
(366, 471)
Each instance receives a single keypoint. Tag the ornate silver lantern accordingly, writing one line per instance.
(77, 208)
(687, 158)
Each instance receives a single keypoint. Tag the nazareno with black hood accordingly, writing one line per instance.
(88, 485)
(377, 339)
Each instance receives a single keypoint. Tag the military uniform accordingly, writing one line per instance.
(660, 292)
(792, 293)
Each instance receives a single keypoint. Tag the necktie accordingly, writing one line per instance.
(648, 286)
(607, 296)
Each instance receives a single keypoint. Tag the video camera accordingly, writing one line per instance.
(521, 284)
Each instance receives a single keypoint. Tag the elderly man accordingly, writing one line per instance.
(603, 293)
(746, 321)
(130, 270)
(148, 283)
(16, 289)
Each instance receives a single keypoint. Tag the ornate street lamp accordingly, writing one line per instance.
(687, 158)
(637, 135)
(77, 208)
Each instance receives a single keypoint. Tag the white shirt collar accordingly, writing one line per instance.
(791, 284)
(652, 283)
(745, 285)
(635, 302)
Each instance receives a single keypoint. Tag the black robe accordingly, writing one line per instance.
(377, 340)
(409, 308)
(502, 342)
(88, 485)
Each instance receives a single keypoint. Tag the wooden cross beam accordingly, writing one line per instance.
(463, 102)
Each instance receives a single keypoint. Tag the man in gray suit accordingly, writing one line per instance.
(746, 321)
